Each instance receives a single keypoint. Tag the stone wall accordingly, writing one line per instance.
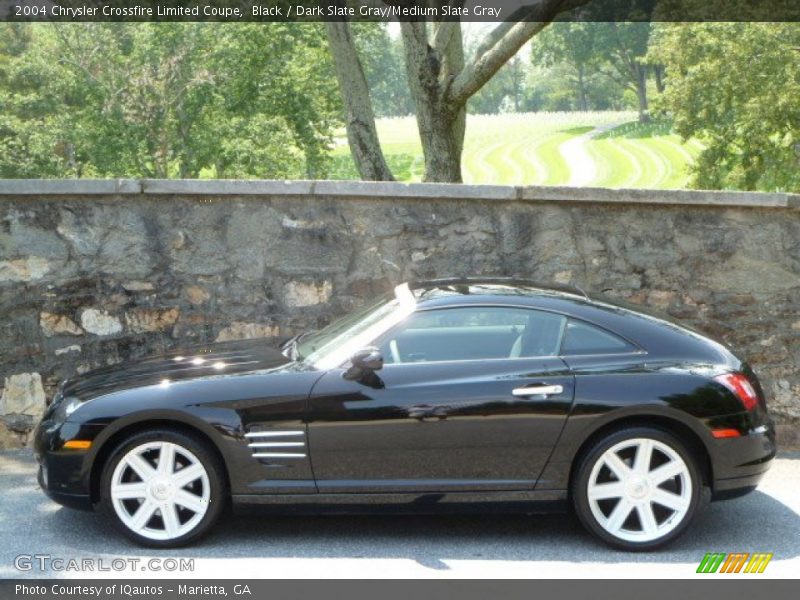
(95, 272)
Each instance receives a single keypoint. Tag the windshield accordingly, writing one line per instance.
(333, 345)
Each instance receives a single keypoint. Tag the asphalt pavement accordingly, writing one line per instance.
(481, 546)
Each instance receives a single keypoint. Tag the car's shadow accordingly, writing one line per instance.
(738, 525)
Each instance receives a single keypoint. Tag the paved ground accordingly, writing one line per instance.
(481, 546)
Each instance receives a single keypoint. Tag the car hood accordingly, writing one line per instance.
(211, 360)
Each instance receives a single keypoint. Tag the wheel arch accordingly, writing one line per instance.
(672, 425)
(103, 453)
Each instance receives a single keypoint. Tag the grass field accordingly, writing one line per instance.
(603, 149)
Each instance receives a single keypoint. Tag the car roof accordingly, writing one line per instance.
(490, 286)
(448, 293)
(659, 334)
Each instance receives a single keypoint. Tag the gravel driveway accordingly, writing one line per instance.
(484, 546)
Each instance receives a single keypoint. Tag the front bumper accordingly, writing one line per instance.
(79, 501)
(65, 474)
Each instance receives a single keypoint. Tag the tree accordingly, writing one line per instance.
(574, 44)
(166, 100)
(735, 87)
(25, 144)
(627, 66)
(441, 80)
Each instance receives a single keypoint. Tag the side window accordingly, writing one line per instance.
(473, 333)
(582, 338)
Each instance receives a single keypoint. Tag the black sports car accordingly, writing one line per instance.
(443, 396)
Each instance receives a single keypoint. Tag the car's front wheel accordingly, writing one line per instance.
(163, 488)
(638, 488)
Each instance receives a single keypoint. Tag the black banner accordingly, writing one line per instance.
(233, 11)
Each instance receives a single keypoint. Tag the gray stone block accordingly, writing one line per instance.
(226, 187)
(71, 187)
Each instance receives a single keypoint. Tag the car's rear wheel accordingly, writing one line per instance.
(163, 488)
(637, 488)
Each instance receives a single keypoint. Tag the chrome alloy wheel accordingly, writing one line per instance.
(639, 490)
(160, 490)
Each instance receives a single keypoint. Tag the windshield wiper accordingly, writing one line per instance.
(290, 345)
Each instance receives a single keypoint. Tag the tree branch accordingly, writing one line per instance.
(503, 42)
(482, 68)
(423, 65)
(444, 35)
(444, 31)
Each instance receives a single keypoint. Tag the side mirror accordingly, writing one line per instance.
(364, 362)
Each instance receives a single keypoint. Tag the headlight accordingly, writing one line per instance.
(65, 408)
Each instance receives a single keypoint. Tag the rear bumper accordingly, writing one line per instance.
(728, 489)
(740, 463)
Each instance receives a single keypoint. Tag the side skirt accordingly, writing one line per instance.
(526, 502)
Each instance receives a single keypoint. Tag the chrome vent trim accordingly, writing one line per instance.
(269, 445)
(276, 445)
(260, 434)
(278, 455)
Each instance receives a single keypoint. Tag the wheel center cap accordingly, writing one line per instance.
(638, 488)
(161, 489)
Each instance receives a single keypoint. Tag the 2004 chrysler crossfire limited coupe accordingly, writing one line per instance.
(443, 396)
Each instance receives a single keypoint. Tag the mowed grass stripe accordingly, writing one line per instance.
(648, 168)
(663, 168)
(516, 163)
(556, 169)
(480, 159)
(533, 156)
(679, 159)
(608, 160)
(625, 169)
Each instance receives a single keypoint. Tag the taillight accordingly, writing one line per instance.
(741, 387)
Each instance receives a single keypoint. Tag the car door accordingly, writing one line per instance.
(469, 399)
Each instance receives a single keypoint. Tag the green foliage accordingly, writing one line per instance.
(165, 100)
(586, 66)
(384, 66)
(735, 86)
(572, 45)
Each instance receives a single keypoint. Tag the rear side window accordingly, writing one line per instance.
(581, 338)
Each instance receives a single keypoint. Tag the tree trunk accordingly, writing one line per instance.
(641, 93)
(442, 137)
(516, 81)
(584, 105)
(658, 71)
(359, 115)
(441, 123)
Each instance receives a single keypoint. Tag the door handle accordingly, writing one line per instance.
(538, 390)
(423, 412)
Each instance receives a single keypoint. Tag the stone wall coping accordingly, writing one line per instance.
(381, 189)
(68, 187)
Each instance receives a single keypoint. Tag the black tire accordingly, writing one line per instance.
(214, 469)
(586, 464)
